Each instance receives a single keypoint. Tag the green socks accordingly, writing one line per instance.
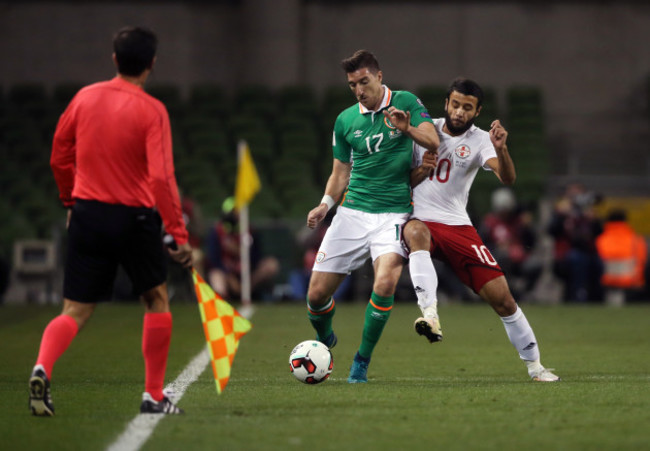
(377, 314)
(321, 318)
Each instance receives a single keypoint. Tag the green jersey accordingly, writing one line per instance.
(380, 154)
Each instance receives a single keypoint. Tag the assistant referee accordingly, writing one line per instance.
(113, 164)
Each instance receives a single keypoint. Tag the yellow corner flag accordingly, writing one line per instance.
(223, 327)
(248, 181)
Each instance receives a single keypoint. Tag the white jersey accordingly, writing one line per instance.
(443, 197)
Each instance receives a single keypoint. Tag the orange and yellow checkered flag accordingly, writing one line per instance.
(223, 327)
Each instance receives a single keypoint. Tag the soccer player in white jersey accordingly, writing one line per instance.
(441, 226)
(377, 134)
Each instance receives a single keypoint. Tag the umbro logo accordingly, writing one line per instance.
(419, 289)
(530, 346)
(358, 133)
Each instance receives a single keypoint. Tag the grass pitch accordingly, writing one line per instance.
(468, 392)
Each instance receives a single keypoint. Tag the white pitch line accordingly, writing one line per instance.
(142, 426)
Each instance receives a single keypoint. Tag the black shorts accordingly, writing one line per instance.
(102, 236)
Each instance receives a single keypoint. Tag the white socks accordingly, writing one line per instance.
(534, 367)
(522, 337)
(425, 282)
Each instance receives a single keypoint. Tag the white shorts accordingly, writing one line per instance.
(355, 235)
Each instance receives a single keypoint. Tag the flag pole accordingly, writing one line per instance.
(245, 243)
(248, 184)
(245, 240)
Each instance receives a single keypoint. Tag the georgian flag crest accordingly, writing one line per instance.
(463, 151)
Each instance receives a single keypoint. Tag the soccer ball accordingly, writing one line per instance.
(311, 362)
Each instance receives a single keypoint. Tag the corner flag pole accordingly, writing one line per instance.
(245, 240)
(247, 186)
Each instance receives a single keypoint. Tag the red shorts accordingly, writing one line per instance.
(463, 250)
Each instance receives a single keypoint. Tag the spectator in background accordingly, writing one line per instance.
(624, 254)
(575, 226)
(509, 234)
(223, 259)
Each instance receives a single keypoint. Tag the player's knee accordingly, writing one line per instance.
(503, 303)
(505, 307)
(417, 236)
(317, 294)
(322, 286)
(498, 295)
(384, 287)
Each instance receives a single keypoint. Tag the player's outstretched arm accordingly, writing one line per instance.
(337, 182)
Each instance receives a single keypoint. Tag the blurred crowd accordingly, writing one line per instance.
(594, 257)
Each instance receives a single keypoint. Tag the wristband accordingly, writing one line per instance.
(328, 200)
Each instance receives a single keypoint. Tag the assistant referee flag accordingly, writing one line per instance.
(223, 327)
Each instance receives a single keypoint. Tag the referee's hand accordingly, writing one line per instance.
(182, 254)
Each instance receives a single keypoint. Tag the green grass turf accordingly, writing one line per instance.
(468, 392)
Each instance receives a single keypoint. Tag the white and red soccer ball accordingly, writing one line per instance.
(311, 362)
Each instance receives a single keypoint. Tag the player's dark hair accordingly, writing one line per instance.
(467, 87)
(135, 49)
(361, 59)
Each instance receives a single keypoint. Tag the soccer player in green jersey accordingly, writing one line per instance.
(373, 147)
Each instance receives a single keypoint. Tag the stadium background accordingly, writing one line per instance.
(570, 80)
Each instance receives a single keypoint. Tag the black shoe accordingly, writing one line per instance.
(40, 399)
(165, 406)
(430, 328)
